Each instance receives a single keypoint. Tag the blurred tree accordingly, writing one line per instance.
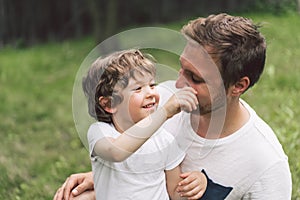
(2, 23)
(104, 18)
(76, 13)
(25, 22)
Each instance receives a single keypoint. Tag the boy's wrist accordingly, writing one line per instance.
(164, 112)
(170, 110)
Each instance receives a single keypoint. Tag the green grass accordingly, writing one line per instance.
(276, 97)
(39, 143)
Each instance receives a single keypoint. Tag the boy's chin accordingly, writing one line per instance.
(151, 110)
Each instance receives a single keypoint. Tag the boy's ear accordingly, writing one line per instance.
(105, 103)
(241, 86)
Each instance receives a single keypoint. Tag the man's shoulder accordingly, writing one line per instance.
(167, 85)
(260, 142)
(166, 90)
(263, 135)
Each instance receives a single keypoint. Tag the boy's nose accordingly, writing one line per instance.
(149, 91)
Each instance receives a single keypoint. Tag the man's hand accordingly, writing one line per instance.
(87, 195)
(75, 186)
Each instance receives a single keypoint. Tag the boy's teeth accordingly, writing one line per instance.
(148, 106)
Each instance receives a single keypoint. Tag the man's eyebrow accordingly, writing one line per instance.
(191, 72)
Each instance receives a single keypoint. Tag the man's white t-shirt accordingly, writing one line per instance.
(250, 161)
(140, 176)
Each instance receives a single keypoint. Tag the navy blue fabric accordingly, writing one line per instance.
(215, 191)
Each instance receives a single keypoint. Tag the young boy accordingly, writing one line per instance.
(132, 157)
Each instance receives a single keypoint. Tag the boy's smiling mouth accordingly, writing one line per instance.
(150, 105)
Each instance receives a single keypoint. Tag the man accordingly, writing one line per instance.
(243, 159)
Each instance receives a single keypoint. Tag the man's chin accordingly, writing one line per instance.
(202, 111)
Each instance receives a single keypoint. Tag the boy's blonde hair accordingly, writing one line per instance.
(109, 75)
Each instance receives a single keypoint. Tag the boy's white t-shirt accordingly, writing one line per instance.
(140, 176)
(251, 160)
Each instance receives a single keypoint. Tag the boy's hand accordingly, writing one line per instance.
(193, 185)
(184, 99)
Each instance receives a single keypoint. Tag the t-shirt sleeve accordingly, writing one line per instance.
(274, 184)
(96, 132)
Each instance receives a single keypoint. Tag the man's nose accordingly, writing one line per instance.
(181, 81)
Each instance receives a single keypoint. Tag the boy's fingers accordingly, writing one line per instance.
(196, 193)
(188, 95)
(184, 175)
(185, 187)
(186, 178)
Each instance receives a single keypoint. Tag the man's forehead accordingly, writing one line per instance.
(194, 50)
(197, 56)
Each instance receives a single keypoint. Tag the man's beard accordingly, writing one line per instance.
(219, 102)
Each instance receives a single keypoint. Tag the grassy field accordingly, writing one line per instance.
(39, 143)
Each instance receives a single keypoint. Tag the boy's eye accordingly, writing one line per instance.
(153, 85)
(137, 88)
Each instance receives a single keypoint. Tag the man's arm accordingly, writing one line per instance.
(275, 183)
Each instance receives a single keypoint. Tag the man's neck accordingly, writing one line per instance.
(221, 123)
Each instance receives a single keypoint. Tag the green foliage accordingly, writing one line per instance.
(40, 146)
(276, 7)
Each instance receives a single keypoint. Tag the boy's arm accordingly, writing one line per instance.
(172, 180)
(190, 185)
(119, 149)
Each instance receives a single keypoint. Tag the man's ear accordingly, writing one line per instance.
(241, 86)
(105, 103)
